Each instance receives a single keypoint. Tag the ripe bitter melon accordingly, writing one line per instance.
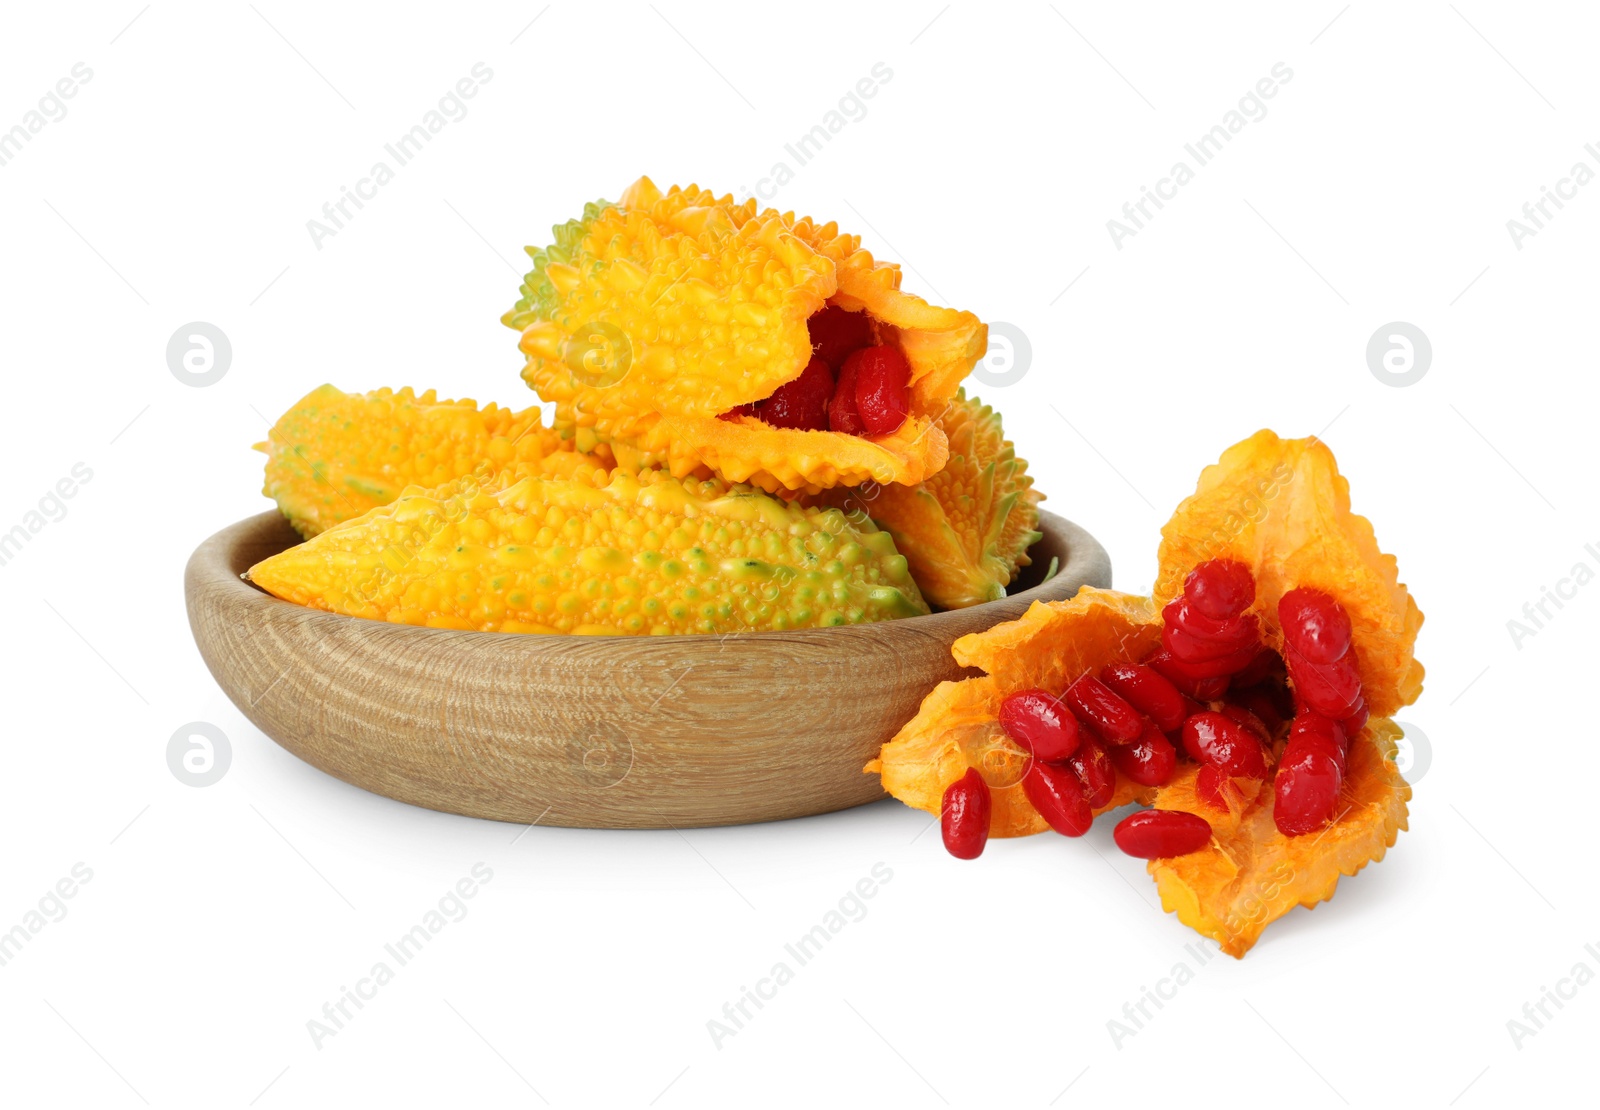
(654, 322)
(334, 455)
(639, 554)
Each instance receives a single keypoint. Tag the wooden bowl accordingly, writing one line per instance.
(597, 732)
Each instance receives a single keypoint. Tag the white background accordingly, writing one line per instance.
(219, 920)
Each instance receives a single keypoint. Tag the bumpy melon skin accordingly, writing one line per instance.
(645, 554)
(650, 317)
(335, 455)
(539, 298)
(1251, 874)
(967, 529)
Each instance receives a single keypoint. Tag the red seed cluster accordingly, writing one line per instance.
(849, 386)
(1330, 709)
(1212, 693)
(801, 403)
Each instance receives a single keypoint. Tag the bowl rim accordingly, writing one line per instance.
(1087, 561)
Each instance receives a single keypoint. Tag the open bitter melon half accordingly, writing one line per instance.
(687, 331)
(1249, 703)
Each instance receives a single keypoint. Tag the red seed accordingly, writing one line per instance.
(1095, 772)
(1198, 663)
(1161, 833)
(801, 403)
(1196, 637)
(1149, 760)
(1308, 722)
(1184, 612)
(1058, 796)
(1297, 748)
(1213, 787)
(1220, 588)
(1115, 720)
(1239, 715)
(837, 332)
(1039, 723)
(964, 816)
(843, 416)
(1315, 731)
(1199, 687)
(1212, 738)
(883, 388)
(1315, 625)
(1148, 692)
(1332, 689)
(1306, 789)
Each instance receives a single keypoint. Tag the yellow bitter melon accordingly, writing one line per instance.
(334, 455)
(650, 318)
(641, 554)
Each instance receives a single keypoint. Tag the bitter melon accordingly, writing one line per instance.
(1277, 510)
(641, 554)
(334, 455)
(654, 322)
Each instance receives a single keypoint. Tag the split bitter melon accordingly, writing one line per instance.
(655, 322)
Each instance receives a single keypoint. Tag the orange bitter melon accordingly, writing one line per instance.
(1281, 509)
(654, 321)
(639, 554)
(334, 455)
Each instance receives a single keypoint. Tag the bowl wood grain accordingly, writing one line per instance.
(597, 732)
